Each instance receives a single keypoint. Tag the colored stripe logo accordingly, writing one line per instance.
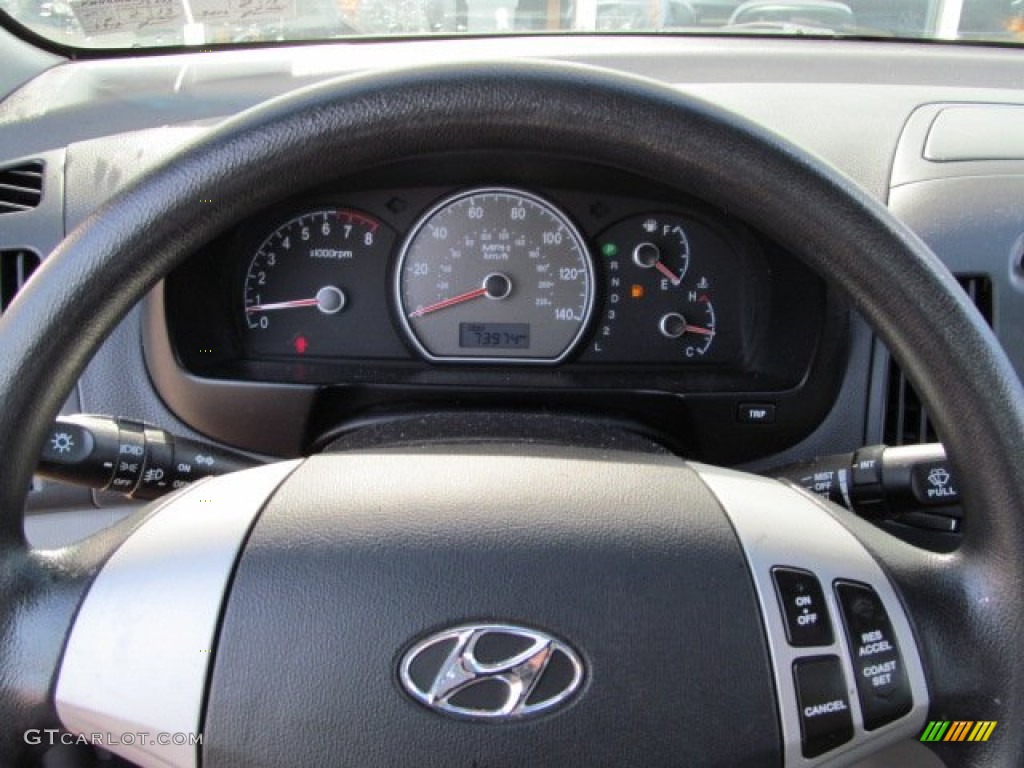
(958, 730)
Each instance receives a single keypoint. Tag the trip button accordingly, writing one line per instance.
(882, 685)
(825, 720)
(756, 413)
(803, 607)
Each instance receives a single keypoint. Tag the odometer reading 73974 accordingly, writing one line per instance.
(494, 275)
(495, 335)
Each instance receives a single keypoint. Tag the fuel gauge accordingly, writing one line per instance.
(663, 249)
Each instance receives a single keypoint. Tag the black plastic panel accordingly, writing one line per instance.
(763, 303)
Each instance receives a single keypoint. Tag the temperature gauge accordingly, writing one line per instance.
(696, 328)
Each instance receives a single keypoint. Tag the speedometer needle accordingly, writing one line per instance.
(449, 302)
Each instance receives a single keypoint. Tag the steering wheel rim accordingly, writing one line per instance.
(106, 265)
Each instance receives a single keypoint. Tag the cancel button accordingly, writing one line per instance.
(825, 720)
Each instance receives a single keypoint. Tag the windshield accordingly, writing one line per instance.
(160, 23)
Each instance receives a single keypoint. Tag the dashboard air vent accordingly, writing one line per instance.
(21, 187)
(15, 269)
(906, 420)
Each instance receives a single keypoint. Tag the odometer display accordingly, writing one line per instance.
(494, 335)
(494, 275)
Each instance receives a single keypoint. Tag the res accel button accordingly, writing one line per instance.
(825, 720)
(803, 607)
(882, 685)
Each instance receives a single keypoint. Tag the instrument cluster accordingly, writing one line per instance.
(483, 276)
(603, 296)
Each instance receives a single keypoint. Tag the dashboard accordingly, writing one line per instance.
(601, 294)
(675, 320)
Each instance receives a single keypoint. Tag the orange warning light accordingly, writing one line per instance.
(636, 292)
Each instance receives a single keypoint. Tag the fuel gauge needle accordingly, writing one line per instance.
(672, 278)
(444, 304)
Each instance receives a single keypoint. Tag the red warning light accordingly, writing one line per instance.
(301, 345)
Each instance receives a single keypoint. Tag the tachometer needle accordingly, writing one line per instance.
(330, 300)
(282, 305)
(469, 295)
(672, 278)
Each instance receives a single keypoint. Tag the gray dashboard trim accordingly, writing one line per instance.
(778, 526)
(140, 650)
(974, 224)
(965, 203)
(934, 143)
(966, 133)
(764, 79)
(98, 170)
(38, 229)
(22, 62)
(234, 412)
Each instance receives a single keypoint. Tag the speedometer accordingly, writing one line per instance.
(495, 275)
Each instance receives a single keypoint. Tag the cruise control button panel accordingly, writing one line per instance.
(850, 680)
(882, 685)
(803, 607)
(825, 720)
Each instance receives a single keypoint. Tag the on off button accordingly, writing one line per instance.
(803, 607)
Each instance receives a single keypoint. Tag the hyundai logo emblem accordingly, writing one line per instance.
(491, 672)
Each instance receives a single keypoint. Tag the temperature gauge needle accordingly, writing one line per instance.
(673, 325)
(672, 278)
(482, 291)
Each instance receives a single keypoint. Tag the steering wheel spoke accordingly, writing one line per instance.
(139, 652)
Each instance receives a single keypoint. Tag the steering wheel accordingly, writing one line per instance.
(507, 604)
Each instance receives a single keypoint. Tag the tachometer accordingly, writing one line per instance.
(313, 288)
(495, 275)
